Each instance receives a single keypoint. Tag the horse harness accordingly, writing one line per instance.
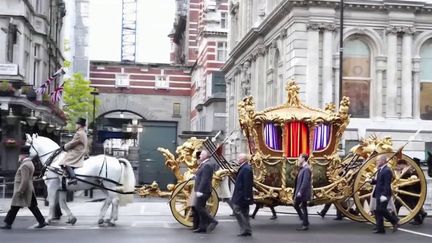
(59, 172)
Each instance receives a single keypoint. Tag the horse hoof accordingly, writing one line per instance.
(100, 221)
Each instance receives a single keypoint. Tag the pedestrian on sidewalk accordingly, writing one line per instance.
(382, 194)
(203, 189)
(324, 210)
(24, 195)
(243, 196)
(303, 190)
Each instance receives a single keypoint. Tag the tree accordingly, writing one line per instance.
(78, 99)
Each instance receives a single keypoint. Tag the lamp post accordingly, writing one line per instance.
(135, 128)
(94, 93)
(341, 26)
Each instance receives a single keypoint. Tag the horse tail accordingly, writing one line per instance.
(127, 179)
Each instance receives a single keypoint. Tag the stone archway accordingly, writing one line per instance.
(124, 102)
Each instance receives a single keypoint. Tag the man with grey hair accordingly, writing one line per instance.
(382, 195)
(203, 189)
(243, 196)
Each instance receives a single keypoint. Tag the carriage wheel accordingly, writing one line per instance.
(349, 209)
(180, 207)
(408, 189)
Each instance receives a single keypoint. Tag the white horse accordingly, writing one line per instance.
(118, 174)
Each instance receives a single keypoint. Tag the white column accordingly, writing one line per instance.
(391, 84)
(312, 70)
(378, 87)
(261, 80)
(327, 66)
(336, 78)
(407, 81)
(416, 87)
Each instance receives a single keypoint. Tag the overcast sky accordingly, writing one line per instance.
(155, 20)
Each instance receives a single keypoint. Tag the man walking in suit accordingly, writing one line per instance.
(382, 195)
(242, 196)
(203, 189)
(23, 195)
(303, 190)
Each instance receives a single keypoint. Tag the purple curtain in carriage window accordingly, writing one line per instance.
(273, 136)
(321, 137)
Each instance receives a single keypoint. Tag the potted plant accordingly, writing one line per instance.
(10, 142)
(46, 99)
(6, 89)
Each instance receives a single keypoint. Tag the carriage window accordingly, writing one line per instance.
(273, 136)
(426, 81)
(297, 139)
(321, 137)
(356, 76)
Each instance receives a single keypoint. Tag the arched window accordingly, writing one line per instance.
(357, 76)
(426, 81)
(275, 85)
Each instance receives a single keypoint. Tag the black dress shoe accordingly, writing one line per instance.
(320, 214)
(244, 234)
(396, 227)
(199, 231)
(378, 232)
(338, 218)
(6, 226)
(273, 217)
(416, 223)
(303, 228)
(212, 226)
(40, 226)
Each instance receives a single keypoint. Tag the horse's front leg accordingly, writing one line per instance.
(63, 205)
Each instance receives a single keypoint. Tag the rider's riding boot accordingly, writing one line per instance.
(71, 174)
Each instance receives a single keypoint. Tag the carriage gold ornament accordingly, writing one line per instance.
(278, 135)
(275, 139)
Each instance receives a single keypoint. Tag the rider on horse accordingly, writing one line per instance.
(76, 151)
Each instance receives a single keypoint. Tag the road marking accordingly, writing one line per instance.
(415, 232)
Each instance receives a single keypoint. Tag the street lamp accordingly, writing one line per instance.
(50, 128)
(94, 93)
(41, 125)
(31, 120)
(135, 128)
(11, 118)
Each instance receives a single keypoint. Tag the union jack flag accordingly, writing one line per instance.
(44, 87)
(56, 94)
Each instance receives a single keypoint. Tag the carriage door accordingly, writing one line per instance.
(152, 164)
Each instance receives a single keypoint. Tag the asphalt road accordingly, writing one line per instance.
(163, 228)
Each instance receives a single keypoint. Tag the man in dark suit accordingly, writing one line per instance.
(382, 194)
(203, 189)
(242, 196)
(303, 190)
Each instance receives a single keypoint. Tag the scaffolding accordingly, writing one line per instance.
(129, 26)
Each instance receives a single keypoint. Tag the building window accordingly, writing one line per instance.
(356, 76)
(11, 41)
(122, 80)
(426, 81)
(221, 51)
(36, 63)
(223, 21)
(176, 109)
(162, 82)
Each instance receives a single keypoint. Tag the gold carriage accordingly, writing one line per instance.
(278, 135)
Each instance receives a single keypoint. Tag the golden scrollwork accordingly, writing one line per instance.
(293, 94)
(153, 190)
(371, 145)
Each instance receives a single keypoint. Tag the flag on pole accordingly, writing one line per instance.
(57, 94)
(44, 87)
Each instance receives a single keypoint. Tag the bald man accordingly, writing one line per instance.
(203, 189)
(242, 195)
(382, 195)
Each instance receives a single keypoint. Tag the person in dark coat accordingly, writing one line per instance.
(303, 190)
(24, 195)
(382, 194)
(203, 189)
(242, 196)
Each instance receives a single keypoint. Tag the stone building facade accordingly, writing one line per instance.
(387, 63)
(200, 41)
(31, 45)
